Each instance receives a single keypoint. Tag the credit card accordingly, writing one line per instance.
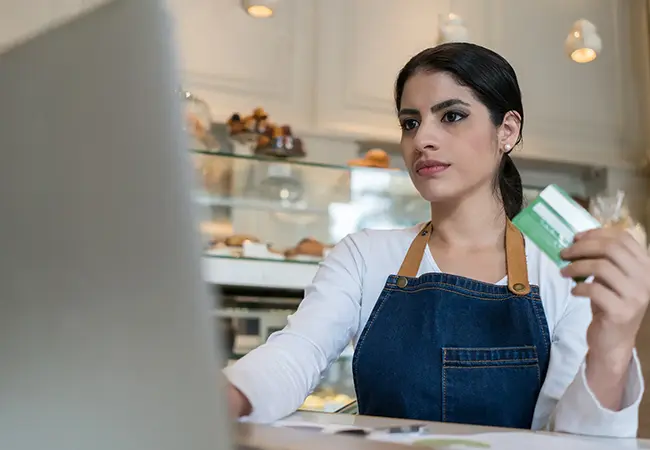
(552, 220)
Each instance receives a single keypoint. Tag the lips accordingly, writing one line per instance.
(430, 167)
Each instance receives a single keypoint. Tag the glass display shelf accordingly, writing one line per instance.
(276, 209)
(207, 254)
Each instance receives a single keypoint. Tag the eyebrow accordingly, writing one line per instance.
(435, 108)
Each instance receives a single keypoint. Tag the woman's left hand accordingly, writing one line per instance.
(619, 293)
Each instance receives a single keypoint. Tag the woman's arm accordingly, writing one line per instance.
(273, 380)
(569, 400)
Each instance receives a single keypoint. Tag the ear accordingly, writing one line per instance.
(509, 131)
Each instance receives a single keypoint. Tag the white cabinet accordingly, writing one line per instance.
(236, 62)
(361, 45)
(574, 113)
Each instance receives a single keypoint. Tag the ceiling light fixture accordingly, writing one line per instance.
(452, 29)
(583, 44)
(260, 9)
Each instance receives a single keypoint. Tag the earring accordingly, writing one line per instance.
(507, 148)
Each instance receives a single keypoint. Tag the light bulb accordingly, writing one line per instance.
(260, 9)
(583, 44)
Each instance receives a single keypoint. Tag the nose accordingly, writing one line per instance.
(426, 138)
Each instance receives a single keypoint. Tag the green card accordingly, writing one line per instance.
(552, 220)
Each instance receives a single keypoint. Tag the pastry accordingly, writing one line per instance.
(280, 143)
(260, 114)
(375, 157)
(307, 247)
(238, 240)
(378, 157)
(235, 124)
(263, 141)
(219, 248)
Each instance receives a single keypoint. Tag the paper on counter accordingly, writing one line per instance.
(320, 427)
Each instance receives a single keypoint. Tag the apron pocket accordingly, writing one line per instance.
(496, 386)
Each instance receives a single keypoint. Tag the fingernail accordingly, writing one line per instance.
(579, 235)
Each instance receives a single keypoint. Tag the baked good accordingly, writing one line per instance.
(235, 124)
(238, 240)
(307, 247)
(260, 114)
(263, 141)
(375, 157)
(280, 143)
(378, 157)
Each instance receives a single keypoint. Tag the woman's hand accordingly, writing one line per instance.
(619, 293)
(237, 402)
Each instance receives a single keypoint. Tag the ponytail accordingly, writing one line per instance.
(510, 187)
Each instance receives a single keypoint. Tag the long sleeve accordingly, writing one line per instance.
(277, 376)
(566, 403)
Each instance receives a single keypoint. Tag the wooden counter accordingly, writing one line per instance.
(274, 438)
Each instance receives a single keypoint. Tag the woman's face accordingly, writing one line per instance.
(450, 145)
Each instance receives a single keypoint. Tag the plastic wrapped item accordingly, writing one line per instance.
(612, 211)
(198, 123)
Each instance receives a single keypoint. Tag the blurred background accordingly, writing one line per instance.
(290, 118)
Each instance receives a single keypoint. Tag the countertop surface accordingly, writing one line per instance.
(273, 437)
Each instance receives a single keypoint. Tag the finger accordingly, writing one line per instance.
(633, 245)
(604, 248)
(595, 232)
(612, 233)
(602, 297)
(603, 270)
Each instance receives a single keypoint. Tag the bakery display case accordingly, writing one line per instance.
(275, 209)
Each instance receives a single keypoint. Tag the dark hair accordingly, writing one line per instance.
(493, 82)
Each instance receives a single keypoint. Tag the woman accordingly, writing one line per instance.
(461, 319)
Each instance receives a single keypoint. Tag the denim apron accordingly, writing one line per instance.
(446, 348)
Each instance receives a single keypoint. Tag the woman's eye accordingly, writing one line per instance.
(409, 124)
(451, 116)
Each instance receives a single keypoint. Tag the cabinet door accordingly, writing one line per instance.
(21, 19)
(362, 44)
(581, 113)
(236, 62)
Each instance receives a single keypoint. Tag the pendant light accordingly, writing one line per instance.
(260, 9)
(583, 44)
(451, 28)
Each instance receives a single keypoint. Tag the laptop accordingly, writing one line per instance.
(106, 341)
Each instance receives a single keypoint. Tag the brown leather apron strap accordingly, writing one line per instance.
(516, 265)
(411, 264)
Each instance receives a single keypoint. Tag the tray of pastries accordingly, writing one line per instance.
(266, 138)
(248, 246)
